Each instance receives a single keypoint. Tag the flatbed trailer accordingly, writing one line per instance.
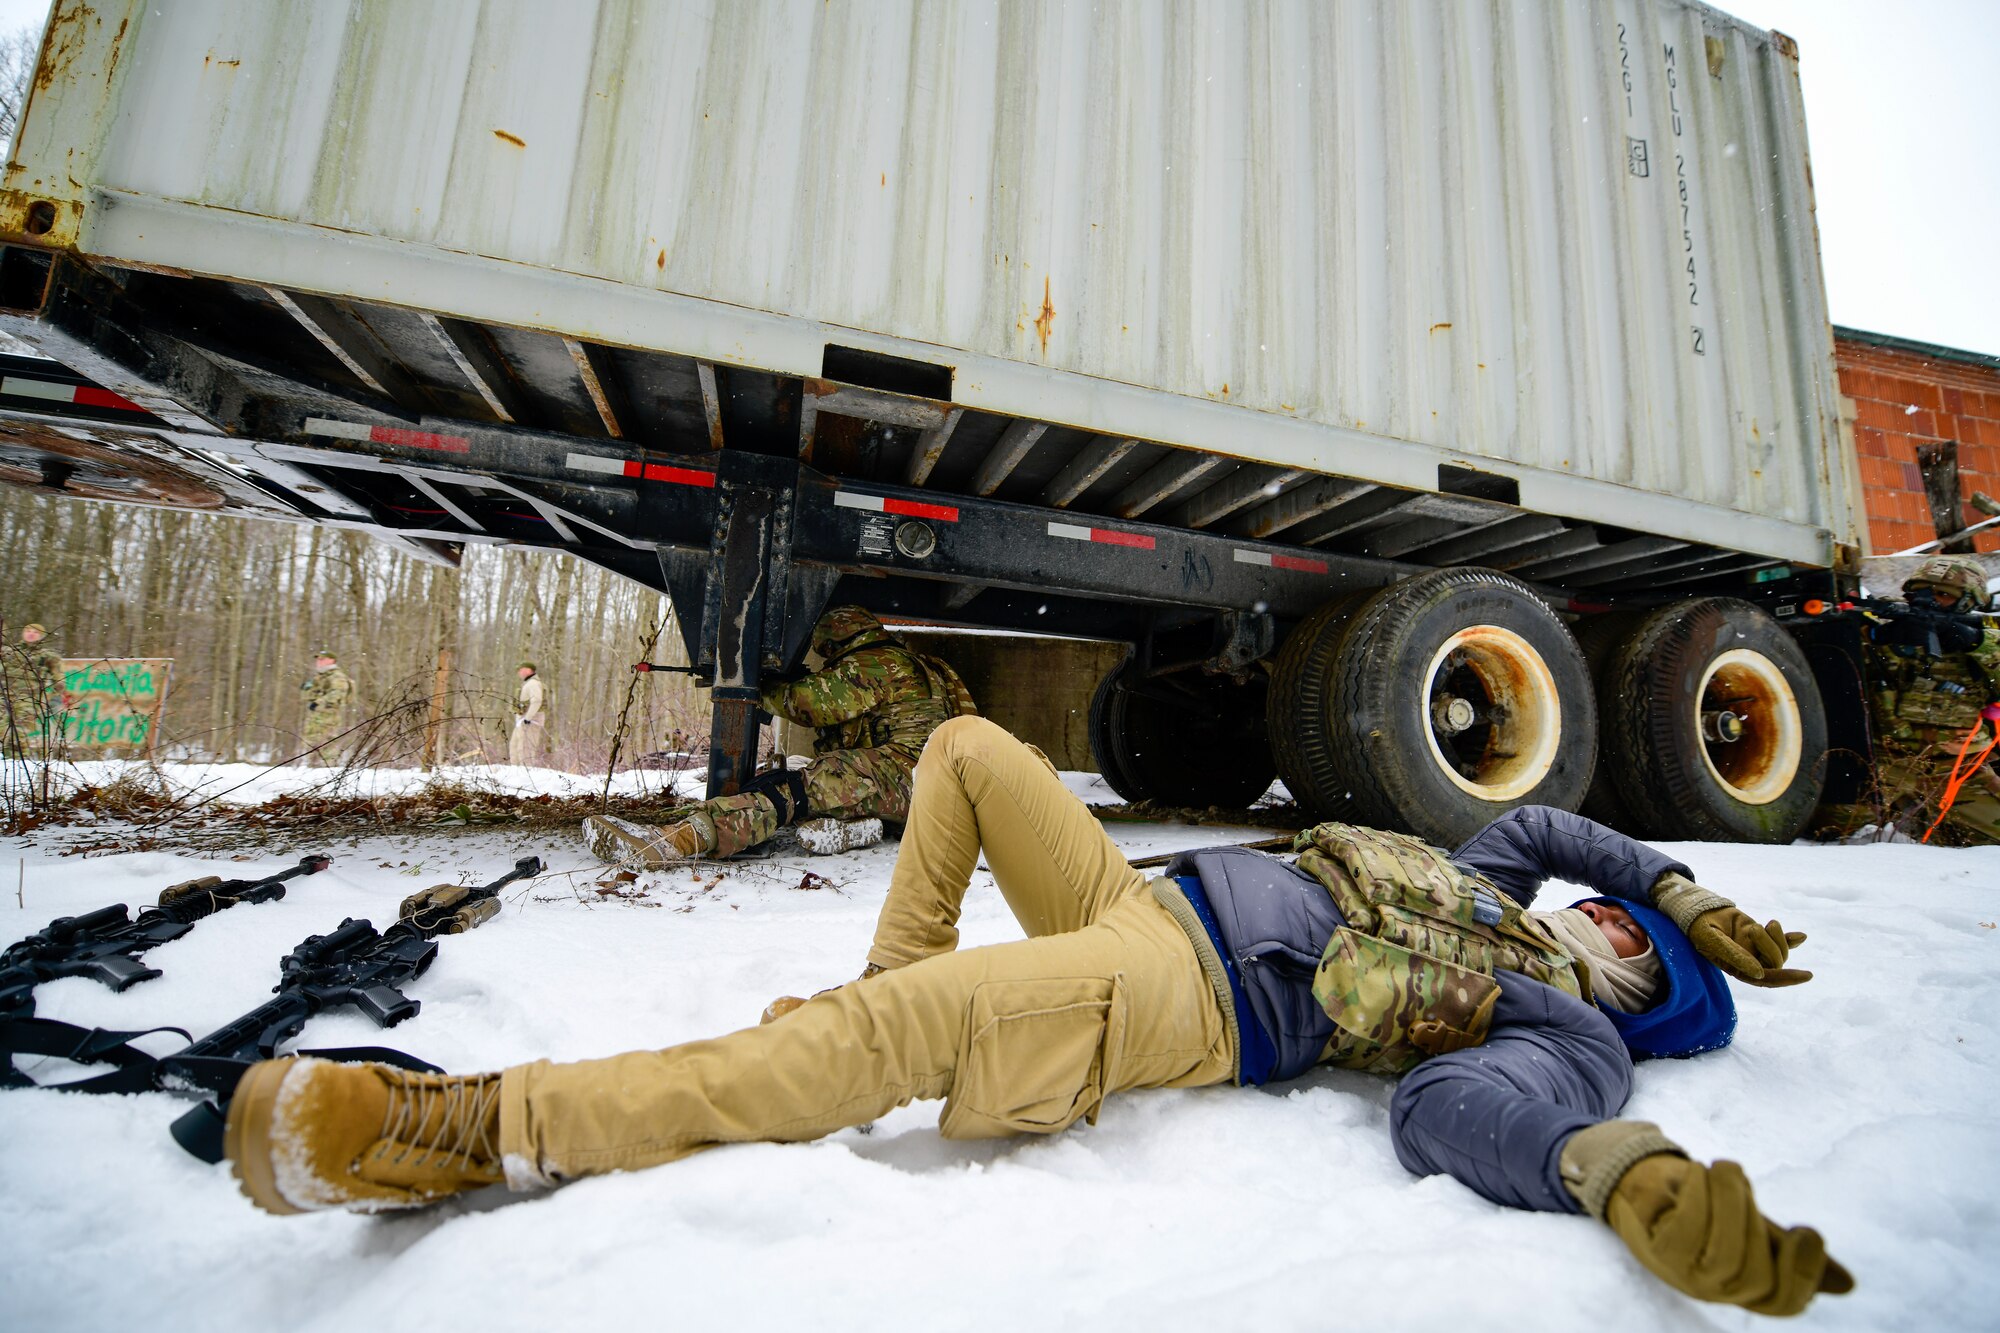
(1583, 407)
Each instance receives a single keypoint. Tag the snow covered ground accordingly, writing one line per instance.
(253, 784)
(1863, 1103)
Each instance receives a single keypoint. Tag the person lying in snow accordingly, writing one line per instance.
(1374, 951)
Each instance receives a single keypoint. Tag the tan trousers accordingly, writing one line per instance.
(524, 743)
(1106, 994)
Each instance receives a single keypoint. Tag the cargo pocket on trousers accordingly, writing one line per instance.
(1036, 1056)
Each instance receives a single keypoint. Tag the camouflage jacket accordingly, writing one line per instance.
(33, 684)
(327, 691)
(1920, 701)
(883, 694)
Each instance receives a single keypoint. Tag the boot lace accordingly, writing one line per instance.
(461, 1130)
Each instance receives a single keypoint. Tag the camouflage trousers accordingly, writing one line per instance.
(1912, 787)
(321, 728)
(1106, 994)
(846, 784)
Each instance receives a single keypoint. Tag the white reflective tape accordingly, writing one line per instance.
(1253, 558)
(20, 388)
(849, 500)
(1069, 530)
(338, 430)
(613, 467)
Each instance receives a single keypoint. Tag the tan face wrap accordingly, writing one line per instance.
(1629, 985)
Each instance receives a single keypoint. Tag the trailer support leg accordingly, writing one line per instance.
(736, 609)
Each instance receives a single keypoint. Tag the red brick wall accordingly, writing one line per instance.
(1903, 399)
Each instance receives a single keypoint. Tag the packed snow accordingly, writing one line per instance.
(1862, 1103)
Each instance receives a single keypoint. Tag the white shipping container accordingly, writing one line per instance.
(1567, 241)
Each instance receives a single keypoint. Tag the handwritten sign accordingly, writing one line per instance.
(114, 702)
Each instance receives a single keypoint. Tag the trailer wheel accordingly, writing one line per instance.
(1188, 739)
(1449, 699)
(1300, 703)
(1600, 636)
(1714, 725)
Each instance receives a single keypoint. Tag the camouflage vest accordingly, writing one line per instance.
(1921, 700)
(1422, 941)
(947, 685)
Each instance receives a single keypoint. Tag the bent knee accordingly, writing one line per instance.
(965, 735)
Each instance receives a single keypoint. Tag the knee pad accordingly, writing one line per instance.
(785, 789)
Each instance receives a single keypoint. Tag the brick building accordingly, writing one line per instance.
(1927, 429)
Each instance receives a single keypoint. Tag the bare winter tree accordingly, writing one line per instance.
(17, 67)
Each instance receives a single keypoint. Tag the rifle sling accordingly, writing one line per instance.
(135, 1070)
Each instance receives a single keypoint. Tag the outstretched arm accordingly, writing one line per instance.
(1534, 843)
(1524, 1120)
(1495, 1116)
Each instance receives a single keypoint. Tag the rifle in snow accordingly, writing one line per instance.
(354, 965)
(105, 945)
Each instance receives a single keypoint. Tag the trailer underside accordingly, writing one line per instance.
(752, 498)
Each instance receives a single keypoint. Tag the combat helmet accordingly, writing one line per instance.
(1951, 573)
(845, 628)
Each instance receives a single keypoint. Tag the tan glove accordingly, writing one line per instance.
(1435, 1037)
(784, 1004)
(1696, 1227)
(1726, 936)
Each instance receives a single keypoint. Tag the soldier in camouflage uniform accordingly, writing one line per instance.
(874, 703)
(1375, 952)
(1926, 710)
(326, 693)
(35, 700)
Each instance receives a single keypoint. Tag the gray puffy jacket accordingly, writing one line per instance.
(1494, 1116)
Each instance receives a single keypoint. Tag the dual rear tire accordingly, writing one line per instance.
(1440, 702)
(1713, 728)
(1434, 705)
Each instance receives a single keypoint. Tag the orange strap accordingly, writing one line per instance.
(1958, 779)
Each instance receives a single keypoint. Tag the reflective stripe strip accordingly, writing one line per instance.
(1297, 564)
(408, 439)
(632, 467)
(679, 476)
(1078, 533)
(83, 395)
(882, 504)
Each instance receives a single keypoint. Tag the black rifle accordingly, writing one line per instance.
(104, 945)
(354, 965)
(1920, 624)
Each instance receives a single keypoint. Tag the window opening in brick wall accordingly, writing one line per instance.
(1938, 462)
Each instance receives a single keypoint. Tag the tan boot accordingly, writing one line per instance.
(784, 1004)
(307, 1134)
(643, 847)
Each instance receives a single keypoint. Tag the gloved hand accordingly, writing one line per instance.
(785, 1004)
(1727, 936)
(1696, 1227)
(1435, 1037)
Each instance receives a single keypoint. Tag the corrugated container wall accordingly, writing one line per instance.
(1570, 237)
